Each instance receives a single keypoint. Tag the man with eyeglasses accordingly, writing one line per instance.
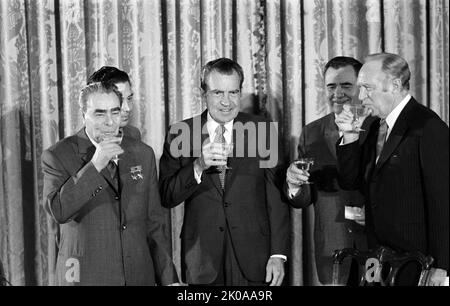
(236, 227)
(119, 78)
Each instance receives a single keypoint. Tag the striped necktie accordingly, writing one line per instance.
(219, 138)
(112, 169)
(382, 131)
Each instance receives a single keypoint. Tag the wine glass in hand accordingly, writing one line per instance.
(305, 164)
(227, 148)
(359, 112)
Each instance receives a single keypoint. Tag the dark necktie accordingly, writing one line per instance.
(112, 169)
(382, 131)
(219, 138)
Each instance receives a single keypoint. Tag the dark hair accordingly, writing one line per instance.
(224, 66)
(393, 65)
(97, 87)
(108, 74)
(343, 61)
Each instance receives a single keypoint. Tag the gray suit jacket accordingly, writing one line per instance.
(109, 236)
(331, 231)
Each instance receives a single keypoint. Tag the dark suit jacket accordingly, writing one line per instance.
(251, 204)
(109, 236)
(407, 190)
(131, 131)
(331, 230)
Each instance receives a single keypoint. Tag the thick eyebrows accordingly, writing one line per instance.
(342, 84)
(104, 111)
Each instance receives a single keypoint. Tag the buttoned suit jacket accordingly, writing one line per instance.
(250, 205)
(109, 236)
(331, 230)
(407, 189)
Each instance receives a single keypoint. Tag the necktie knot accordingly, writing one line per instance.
(112, 168)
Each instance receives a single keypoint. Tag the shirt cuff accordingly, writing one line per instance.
(293, 191)
(197, 176)
(279, 256)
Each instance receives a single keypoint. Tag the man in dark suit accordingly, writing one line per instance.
(332, 230)
(121, 80)
(105, 197)
(236, 227)
(402, 166)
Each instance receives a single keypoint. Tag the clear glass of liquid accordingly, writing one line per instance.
(305, 164)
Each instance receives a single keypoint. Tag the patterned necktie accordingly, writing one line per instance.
(382, 131)
(112, 169)
(219, 138)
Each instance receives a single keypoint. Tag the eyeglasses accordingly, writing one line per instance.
(220, 94)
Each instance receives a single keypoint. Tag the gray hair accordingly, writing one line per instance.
(97, 87)
(394, 66)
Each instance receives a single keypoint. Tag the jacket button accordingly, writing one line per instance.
(350, 230)
(117, 197)
(100, 187)
(226, 204)
(221, 229)
(124, 227)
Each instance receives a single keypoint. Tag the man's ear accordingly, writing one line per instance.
(397, 85)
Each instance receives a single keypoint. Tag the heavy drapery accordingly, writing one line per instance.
(49, 47)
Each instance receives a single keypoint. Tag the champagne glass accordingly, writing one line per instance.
(359, 113)
(120, 136)
(305, 164)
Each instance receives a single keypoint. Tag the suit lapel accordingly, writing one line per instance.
(85, 147)
(395, 137)
(331, 134)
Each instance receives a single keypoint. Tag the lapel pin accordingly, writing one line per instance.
(136, 173)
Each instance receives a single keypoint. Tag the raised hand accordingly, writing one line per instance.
(106, 150)
(213, 154)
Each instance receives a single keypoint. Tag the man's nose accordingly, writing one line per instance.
(109, 119)
(226, 99)
(339, 92)
(362, 94)
(125, 107)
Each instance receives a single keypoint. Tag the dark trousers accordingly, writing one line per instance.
(230, 273)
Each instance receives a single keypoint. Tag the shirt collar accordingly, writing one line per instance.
(392, 117)
(91, 139)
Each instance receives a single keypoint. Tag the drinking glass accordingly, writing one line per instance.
(304, 163)
(359, 113)
(228, 149)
